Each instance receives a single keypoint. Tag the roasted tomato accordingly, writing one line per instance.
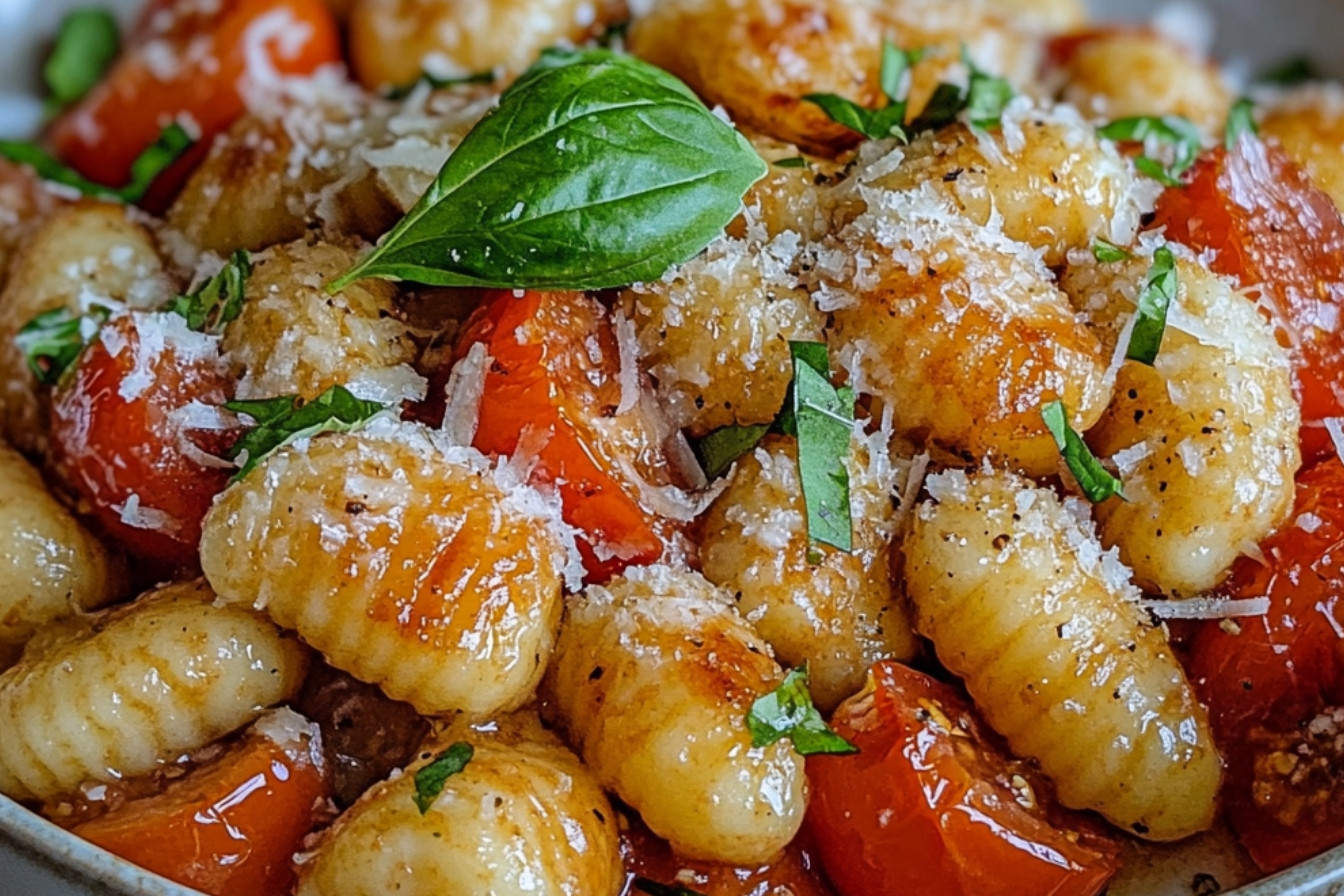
(932, 804)
(646, 857)
(1274, 684)
(1276, 233)
(554, 390)
(190, 61)
(130, 433)
(231, 826)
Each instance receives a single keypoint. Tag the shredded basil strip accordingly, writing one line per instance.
(1150, 322)
(653, 888)
(172, 142)
(793, 162)
(1240, 120)
(52, 340)
(821, 417)
(429, 780)
(287, 418)
(437, 83)
(218, 300)
(596, 170)
(86, 44)
(1096, 481)
(1180, 133)
(983, 100)
(1290, 72)
(787, 711)
(718, 450)
(887, 121)
(1107, 252)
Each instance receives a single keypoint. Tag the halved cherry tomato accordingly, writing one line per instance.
(123, 438)
(1274, 684)
(553, 389)
(646, 856)
(189, 60)
(1273, 230)
(229, 827)
(932, 804)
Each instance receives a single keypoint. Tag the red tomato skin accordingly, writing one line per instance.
(227, 829)
(105, 131)
(1276, 233)
(107, 448)
(920, 811)
(543, 393)
(1267, 677)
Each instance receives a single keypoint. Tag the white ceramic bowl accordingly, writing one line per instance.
(39, 859)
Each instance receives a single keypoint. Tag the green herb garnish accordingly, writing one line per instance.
(86, 44)
(218, 300)
(280, 421)
(787, 711)
(718, 450)
(983, 100)
(791, 162)
(1150, 321)
(821, 416)
(437, 83)
(172, 142)
(1291, 72)
(1095, 480)
(1107, 252)
(1178, 132)
(429, 780)
(1240, 120)
(53, 340)
(596, 170)
(887, 121)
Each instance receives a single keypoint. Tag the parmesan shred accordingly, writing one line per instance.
(466, 385)
(628, 350)
(1207, 607)
(1335, 427)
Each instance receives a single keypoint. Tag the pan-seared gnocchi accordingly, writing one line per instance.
(114, 694)
(1309, 124)
(1020, 600)
(523, 816)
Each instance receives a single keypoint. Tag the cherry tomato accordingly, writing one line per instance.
(227, 828)
(1274, 231)
(122, 437)
(553, 389)
(1274, 684)
(932, 804)
(646, 856)
(190, 60)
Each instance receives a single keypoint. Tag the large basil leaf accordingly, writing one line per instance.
(596, 170)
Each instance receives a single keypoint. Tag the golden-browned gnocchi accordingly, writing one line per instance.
(1206, 439)
(839, 616)
(959, 331)
(293, 337)
(1309, 124)
(653, 679)
(410, 563)
(115, 694)
(523, 817)
(1020, 600)
(81, 256)
(50, 566)
(788, 199)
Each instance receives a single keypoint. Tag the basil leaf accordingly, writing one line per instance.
(172, 142)
(1179, 132)
(1095, 480)
(1291, 72)
(1151, 318)
(821, 417)
(718, 450)
(437, 83)
(1109, 253)
(787, 711)
(52, 340)
(794, 162)
(615, 33)
(653, 888)
(983, 100)
(86, 44)
(875, 124)
(280, 421)
(1240, 120)
(218, 300)
(429, 780)
(596, 170)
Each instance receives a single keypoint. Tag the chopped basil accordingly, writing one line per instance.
(821, 416)
(613, 35)
(787, 711)
(1240, 120)
(172, 142)
(653, 888)
(793, 162)
(1109, 253)
(218, 300)
(1150, 321)
(86, 44)
(280, 421)
(718, 450)
(1179, 132)
(1095, 480)
(875, 124)
(983, 100)
(53, 340)
(1290, 72)
(437, 83)
(429, 780)
(596, 170)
